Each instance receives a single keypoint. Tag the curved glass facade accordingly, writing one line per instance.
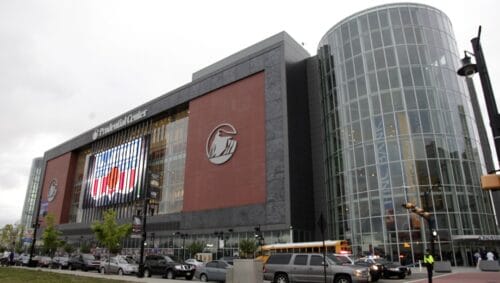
(400, 128)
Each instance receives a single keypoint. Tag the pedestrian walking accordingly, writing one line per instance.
(429, 264)
(11, 258)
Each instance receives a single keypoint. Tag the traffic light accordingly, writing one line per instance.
(417, 210)
(408, 205)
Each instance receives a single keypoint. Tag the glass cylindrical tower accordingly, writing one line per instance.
(399, 128)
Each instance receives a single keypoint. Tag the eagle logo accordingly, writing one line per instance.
(220, 144)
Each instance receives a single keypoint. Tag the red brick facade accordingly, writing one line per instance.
(241, 180)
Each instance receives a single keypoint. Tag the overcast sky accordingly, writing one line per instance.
(67, 66)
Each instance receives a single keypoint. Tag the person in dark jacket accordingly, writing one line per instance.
(11, 258)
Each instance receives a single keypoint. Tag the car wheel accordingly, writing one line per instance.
(147, 273)
(120, 272)
(189, 277)
(170, 274)
(402, 276)
(343, 279)
(203, 277)
(281, 278)
(70, 267)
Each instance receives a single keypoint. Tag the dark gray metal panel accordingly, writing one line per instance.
(242, 55)
(298, 142)
(317, 139)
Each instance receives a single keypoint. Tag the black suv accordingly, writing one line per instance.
(165, 266)
(84, 262)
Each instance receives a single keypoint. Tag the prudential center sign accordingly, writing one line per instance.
(220, 144)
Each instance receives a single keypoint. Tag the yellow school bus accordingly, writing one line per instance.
(332, 246)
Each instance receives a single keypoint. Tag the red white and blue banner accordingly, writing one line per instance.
(114, 175)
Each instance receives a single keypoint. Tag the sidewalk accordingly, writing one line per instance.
(454, 269)
(128, 278)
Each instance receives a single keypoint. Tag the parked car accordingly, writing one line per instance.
(167, 267)
(22, 259)
(229, 259)
(84, 262)
(389, 269)
(4, 259)
(195, 262)
(214, 270)
(302, 267)
(118, 265)
(44, 261)
(60, 262)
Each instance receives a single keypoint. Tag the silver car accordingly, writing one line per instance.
(285, 268)
(118, 265)
(214, 270)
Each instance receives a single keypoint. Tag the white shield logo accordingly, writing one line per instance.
(220, 144)
(52, 190)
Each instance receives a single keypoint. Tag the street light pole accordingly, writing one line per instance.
(148, 180)
(183, 237)
(143, 240)
(425, 215)
(469, 69)
(220, 236)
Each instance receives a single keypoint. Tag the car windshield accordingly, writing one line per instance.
(121, 261)
(343, 259)
(87, 256)
(381, 261)
(130, 260)
(168, 259)
(333, 259)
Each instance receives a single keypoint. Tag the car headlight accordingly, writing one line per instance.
(358, 272)
(374, 267)
(394, 269)
(178, 266)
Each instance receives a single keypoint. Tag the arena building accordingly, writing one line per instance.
(268, 139)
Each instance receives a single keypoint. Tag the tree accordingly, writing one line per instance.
(247, 248)
(8, 236)
(19, 247)
(109, 233)
(195, 247)
(50, 236)
(69, 249)
(85, 248)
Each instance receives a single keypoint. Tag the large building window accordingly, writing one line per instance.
(167, 159)
(110, 173)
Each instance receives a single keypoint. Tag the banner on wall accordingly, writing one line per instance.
(114, 175)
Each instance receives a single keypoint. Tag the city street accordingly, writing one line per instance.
(458, 275)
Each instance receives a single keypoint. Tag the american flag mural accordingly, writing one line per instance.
(113, 175)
